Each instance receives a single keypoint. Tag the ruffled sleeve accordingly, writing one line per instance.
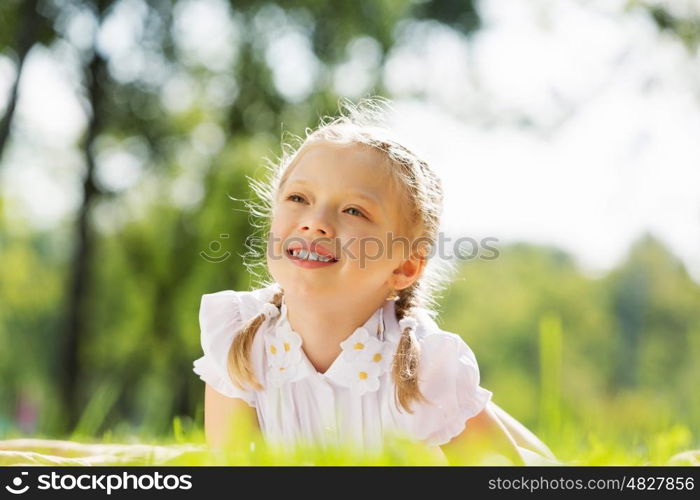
(449, 378)
(220, 319)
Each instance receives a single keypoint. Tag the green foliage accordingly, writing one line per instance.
(557, 348)
(186, 446)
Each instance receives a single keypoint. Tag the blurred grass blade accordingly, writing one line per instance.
(97, 409)
(550, 374)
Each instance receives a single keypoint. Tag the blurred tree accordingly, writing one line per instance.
(74, 331)
(21, 26)
(654, 303)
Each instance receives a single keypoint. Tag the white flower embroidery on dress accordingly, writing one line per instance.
(283, 355)
(365, 378)
(366, 358)
(357, 345)
(381, 354)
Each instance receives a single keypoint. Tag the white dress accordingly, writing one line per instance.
(353, 402)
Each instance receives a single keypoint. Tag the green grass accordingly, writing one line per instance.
(186, 446)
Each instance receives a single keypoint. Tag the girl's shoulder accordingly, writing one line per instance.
(450, 379)
(443, 355)
(237, 306)
(434, 342)
(431, 336)
(222, 316)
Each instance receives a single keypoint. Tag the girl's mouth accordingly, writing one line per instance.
(307, 259)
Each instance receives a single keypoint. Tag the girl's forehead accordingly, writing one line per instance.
(344, 163)
(345, 151)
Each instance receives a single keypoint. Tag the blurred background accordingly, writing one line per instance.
(566, 130)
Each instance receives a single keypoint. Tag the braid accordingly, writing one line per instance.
(240, 367)
(405, 364)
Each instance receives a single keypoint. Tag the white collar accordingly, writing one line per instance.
(366, 354)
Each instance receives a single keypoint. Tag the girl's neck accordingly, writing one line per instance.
(323, 326)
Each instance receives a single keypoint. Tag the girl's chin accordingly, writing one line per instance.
(310, 287)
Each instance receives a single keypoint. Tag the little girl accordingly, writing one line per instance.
(340, 347)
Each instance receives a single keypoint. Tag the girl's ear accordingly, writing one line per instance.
(407, 272)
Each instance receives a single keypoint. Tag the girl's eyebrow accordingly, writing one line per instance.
(359, 194)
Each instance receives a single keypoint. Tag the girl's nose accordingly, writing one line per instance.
(318, 225)
(322, 229)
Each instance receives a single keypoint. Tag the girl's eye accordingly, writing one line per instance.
(291, 196)
(295, 197)
(358, 212)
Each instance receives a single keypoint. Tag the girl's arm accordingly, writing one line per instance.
(222, 415)
(484, 434)
(523, 436)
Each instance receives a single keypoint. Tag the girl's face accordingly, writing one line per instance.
(338, 200)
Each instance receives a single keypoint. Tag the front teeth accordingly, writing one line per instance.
(307, 255)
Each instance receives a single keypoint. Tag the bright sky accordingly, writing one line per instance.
(560, 122)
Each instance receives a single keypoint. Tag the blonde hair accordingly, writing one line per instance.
(360, 124)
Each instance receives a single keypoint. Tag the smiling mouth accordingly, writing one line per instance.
(303, 254)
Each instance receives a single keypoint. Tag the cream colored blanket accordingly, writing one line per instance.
(57, 452)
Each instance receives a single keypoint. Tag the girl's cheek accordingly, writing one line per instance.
(364, 249)
(278, 225)
(274, 243)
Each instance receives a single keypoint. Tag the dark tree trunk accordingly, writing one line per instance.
(76, 315)
(25, 39)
